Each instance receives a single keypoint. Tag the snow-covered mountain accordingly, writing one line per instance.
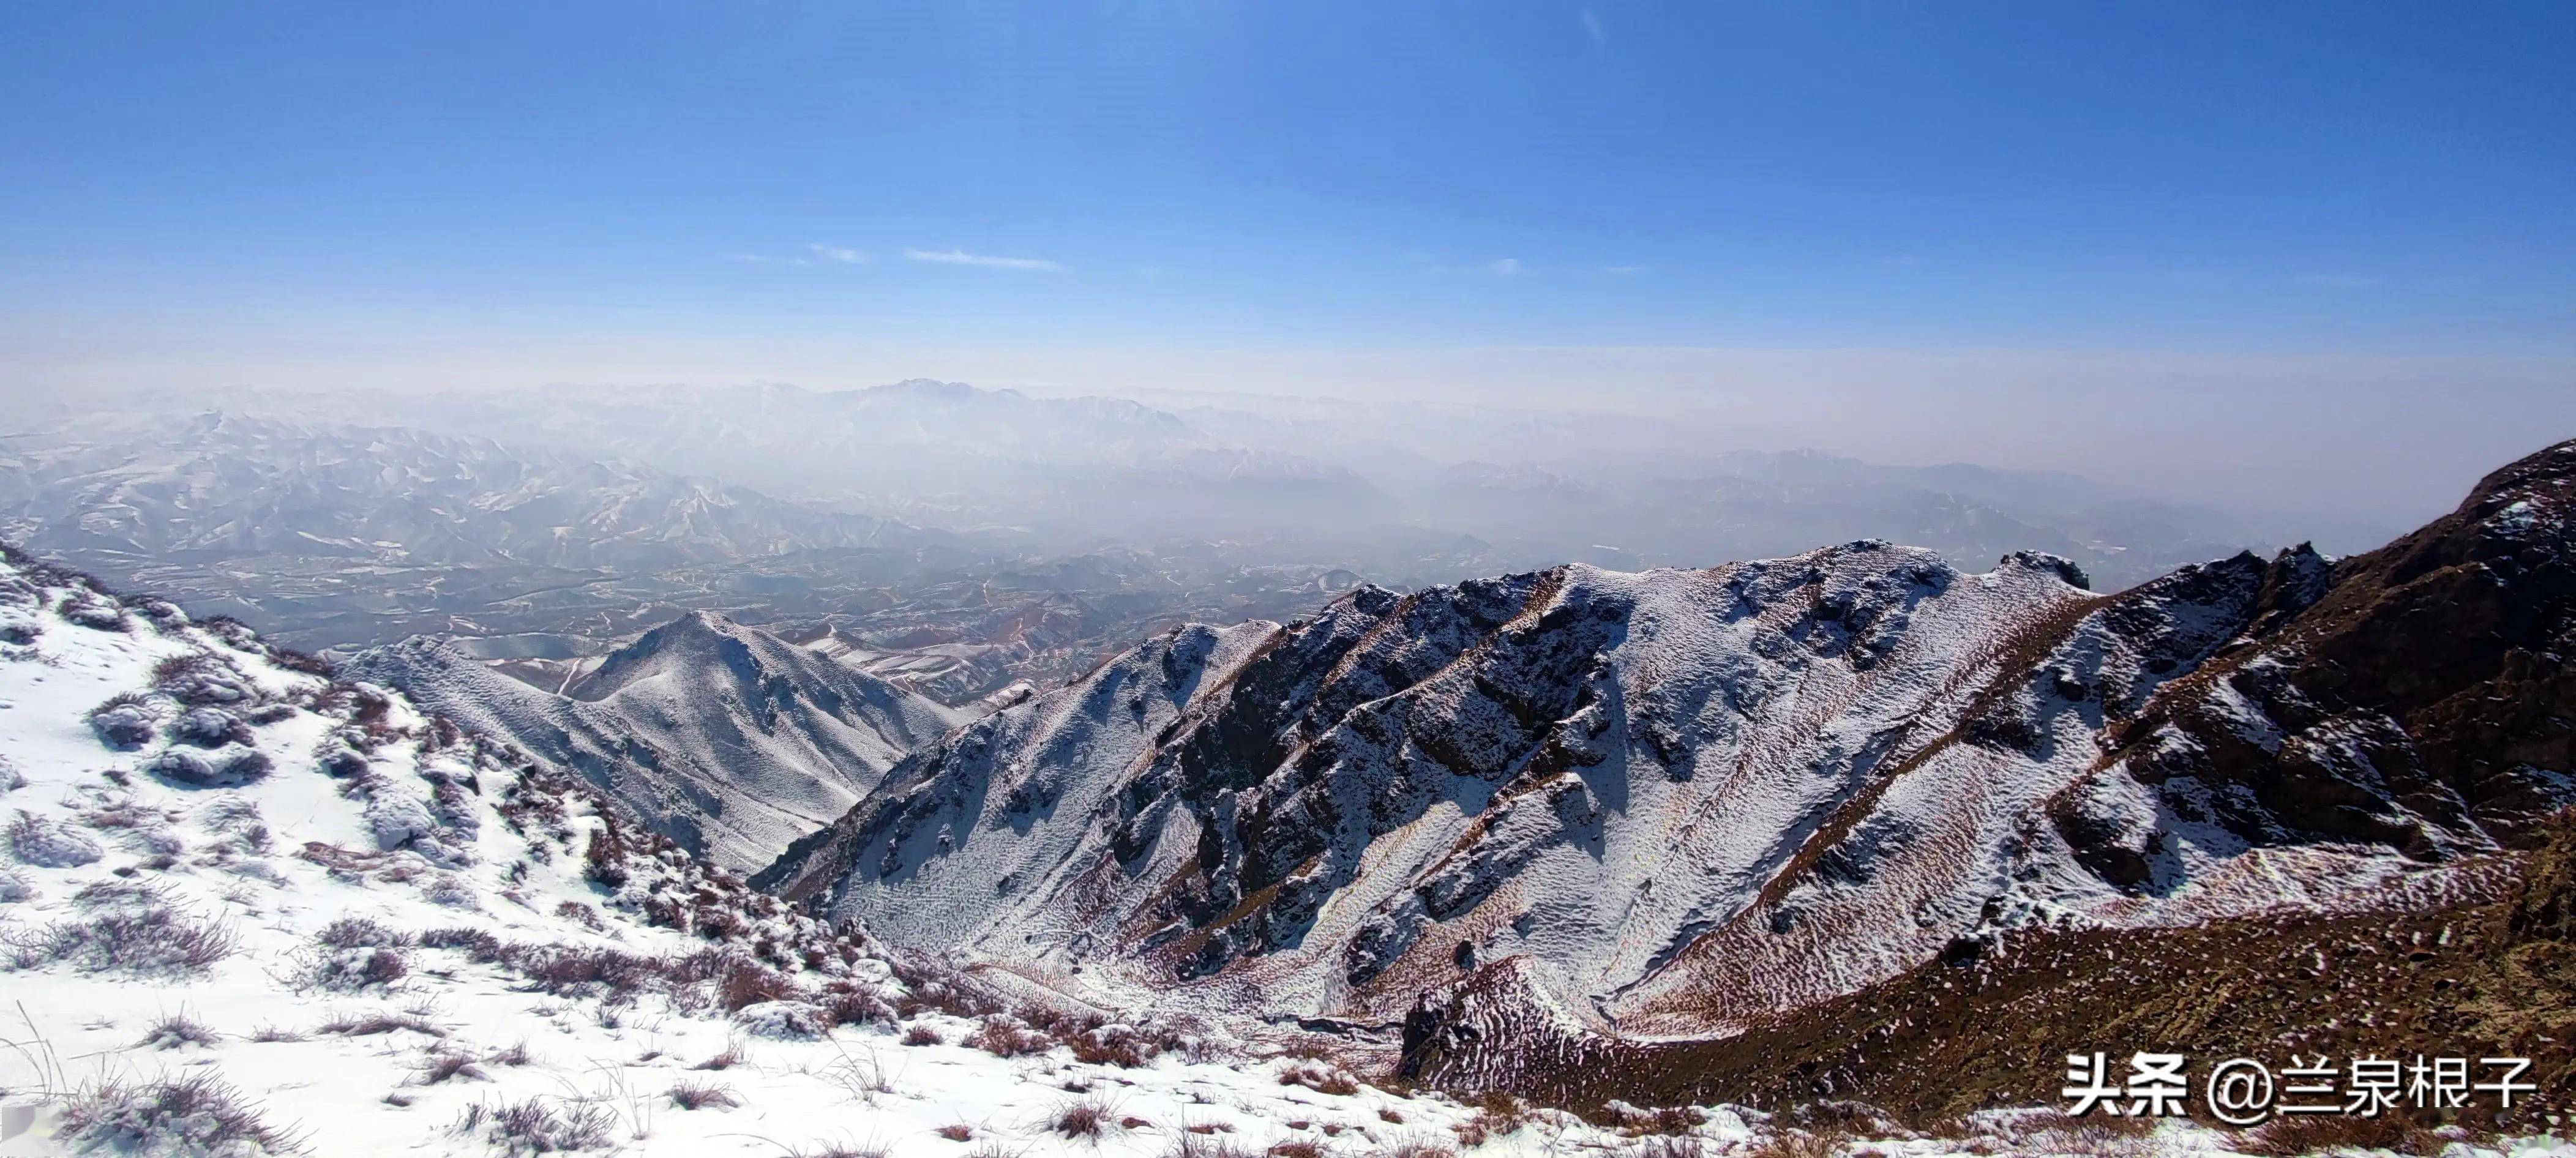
(250, 909)
(1681, 800)
(722, 737)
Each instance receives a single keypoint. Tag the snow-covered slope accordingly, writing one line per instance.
(722, 737)
(247, 909)
(1687, 798)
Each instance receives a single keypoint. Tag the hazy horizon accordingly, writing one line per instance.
(2386, 441)
(2305, 260)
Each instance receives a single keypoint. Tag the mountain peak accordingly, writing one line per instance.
(719, 735)
(2543, 475)
(935, 390)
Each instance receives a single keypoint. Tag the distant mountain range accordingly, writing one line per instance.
(227, 486)
(934, 514)
(339, 536)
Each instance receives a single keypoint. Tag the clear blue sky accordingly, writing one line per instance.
(2336, 177)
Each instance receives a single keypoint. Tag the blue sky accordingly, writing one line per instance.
(2342, 177)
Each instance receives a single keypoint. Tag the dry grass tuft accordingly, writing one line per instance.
(442, 1065)
(537, 1127)
(195, 1114)
(1414, 1148)
(1081, 1119)
(371, 1024)
(701, 1094)
(1197, 1145)
(178, 1031)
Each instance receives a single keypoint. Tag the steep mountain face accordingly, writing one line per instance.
(724, 738)
(1680, 801)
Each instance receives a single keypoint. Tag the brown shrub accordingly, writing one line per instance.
(849, 1005)
(1003, 1036)
(745, 984)
(1124, 1046)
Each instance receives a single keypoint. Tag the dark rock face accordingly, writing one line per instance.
(2400, 697)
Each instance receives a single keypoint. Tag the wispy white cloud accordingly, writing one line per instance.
(1503, 266)
(986, 261)
(758, 259)
(1622, 270)
(838, 253)
(1592, 26)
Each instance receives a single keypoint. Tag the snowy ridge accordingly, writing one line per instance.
(248, 909)
(722, 737)
(1688, 798)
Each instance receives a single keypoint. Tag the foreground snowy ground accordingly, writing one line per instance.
(245, 910)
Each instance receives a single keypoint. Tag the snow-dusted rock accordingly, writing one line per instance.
(783, 1020)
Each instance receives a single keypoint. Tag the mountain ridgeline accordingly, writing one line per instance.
(1687, 802)
(724, 738)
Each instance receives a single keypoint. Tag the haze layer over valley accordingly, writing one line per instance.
(951, 539)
